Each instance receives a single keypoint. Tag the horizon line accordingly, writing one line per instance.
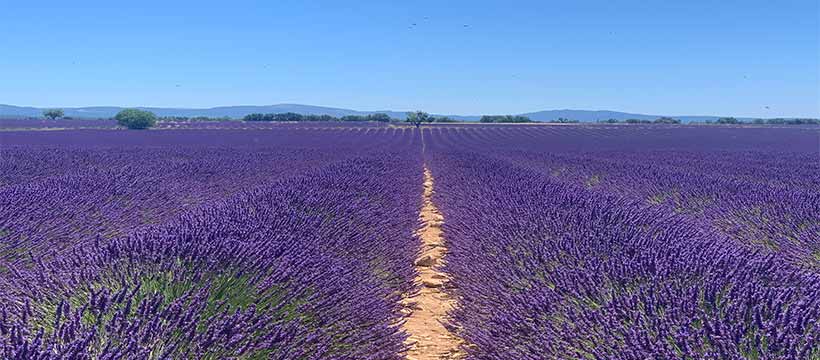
(390, 110)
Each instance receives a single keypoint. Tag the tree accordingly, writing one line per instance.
(380, 117)
(314, 117)
(637, 121)
(666, 120)
(136, 119)
(728, 120)
(504, 119)
(288, 116)
(418, 117)
(444, 119)
(254, 117)
(353, 118)
(53, 113)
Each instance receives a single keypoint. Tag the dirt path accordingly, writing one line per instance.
(429, 339)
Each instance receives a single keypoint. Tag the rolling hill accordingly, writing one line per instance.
(240, 111)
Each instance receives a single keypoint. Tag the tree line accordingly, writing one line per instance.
(774, 121)
(720, 121)
(504, 119)
(294, 117)
(140, 119)
(660, 120)
(415, 117)
(194, 118)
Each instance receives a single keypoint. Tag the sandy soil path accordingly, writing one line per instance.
(427, 310)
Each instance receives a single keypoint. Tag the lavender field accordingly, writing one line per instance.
(302, 241)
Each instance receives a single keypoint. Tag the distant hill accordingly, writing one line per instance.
(240, 111)
(595, 115)
(230, 111)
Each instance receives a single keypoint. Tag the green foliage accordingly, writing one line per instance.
(564, 121)
(418, 117)
(353, 118)
(444, 119)
(313, 117)
(666, 120)
(380, 117)
(195, 118)
(288, 116)
(504, 119)
(660, 120)
(136, 119)
(53, 113)
(728, 120)
(774, 121)
(637, 121)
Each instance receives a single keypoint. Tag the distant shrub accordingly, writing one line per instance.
(666, 120)
(254, 117)
(444, 119)
(380, 117)
(136, 119)
(418, 117)
(294, 117)
(637, 121)
(195, 118)
(504, 119)
(313, 117)
(728, 120)
(53, 114)
(353, 118)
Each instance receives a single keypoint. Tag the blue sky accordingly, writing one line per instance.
(653, 56)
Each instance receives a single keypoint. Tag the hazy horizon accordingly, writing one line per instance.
(749, 59)
(371, 110)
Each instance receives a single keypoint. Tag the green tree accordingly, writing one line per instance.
(728, 120)
(353, 118)
(444, 119)
(53, 113)
(666, 120)
(504, 119)
(380, 117)
(288, 116)
(418, 117)
(254, 117)
(314, 117)
(136, 119)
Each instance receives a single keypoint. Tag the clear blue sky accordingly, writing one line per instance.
(652, 56)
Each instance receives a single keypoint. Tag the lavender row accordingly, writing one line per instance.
(59, 124)
(109, 192)
(770, 203)
(82, 185)
(759, 187)
(545, 269)
(307, 267)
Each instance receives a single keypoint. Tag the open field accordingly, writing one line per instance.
(375, 241)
